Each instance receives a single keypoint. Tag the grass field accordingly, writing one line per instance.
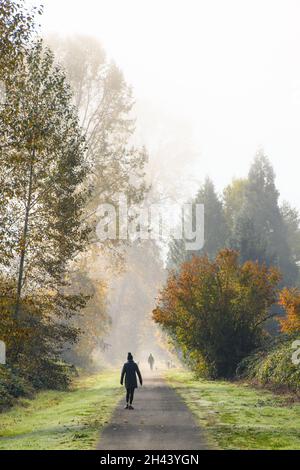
(62, 420)
(234, 416)
(239, 417)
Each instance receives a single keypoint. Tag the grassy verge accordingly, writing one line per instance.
(62, 420)
(238, 416)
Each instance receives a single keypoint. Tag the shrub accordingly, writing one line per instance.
(216, 310)
(273, 366)
(12, 386)
(51, 375)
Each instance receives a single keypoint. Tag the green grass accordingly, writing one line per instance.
(238, 416)
(62, 420)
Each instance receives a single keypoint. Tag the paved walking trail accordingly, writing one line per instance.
(160, 420)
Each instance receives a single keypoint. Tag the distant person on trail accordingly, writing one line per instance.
(130, 371)
(151, 361)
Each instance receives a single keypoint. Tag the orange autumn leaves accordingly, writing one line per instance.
(218, 308)
(289, 299)
(202, 284)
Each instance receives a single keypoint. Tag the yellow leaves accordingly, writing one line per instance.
(217, 308)
(227, 258)
(22, 245)
(289, 299)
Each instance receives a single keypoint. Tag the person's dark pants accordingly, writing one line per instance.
(130, 395)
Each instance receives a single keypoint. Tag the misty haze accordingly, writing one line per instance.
(149, 226)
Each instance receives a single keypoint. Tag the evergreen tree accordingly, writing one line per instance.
(177, 254)
(215, 228)
(259, 232)
(291, 220)
(233, 200)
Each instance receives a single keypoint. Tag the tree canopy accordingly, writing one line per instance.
(215, 309)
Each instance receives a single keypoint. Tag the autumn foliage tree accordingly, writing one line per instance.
(105, 106)
(289, 299)
(42, 200)
(17, 25)
(104, 102)
(215, 310)
(42, 168)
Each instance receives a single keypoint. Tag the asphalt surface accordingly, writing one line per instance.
(160, 421)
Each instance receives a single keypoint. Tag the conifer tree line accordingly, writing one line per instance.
(233, 307)
(248, 217)
(64, 148)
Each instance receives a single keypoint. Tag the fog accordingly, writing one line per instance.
(227, 72)
(149, 225)
(213, 82)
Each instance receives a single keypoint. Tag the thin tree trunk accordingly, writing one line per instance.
(24, 239)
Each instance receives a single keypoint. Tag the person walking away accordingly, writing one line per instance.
(151, 361)
(129, 372)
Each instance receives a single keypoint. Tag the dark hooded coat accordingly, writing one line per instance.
(130, 371)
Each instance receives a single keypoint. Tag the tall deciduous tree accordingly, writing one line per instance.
(16, 28)
(42, 173)
(105, 103)
(105, 106)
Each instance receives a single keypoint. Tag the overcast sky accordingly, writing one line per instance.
(229, 70)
